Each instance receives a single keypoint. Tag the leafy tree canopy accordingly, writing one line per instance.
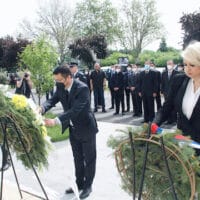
(40, 58)
(84, 49)
(9, 51)
(191, 27)
(95, 17)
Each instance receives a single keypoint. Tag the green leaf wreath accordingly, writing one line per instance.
(184, 165)
(20, 118)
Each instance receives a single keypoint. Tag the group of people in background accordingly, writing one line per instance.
(144, 86)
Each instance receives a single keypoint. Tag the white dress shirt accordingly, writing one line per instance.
(57, 120)
(190, 99)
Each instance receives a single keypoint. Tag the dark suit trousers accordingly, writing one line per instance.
(148, 104)
(119, 98)
(158, 101)
(84, 153)
(99, 97)
(127, 92)
(112, 94)
(137, 103)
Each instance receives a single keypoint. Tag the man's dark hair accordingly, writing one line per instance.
(63, 70)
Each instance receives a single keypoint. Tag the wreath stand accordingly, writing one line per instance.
(5, 123)
(145, 164)
(166, 153)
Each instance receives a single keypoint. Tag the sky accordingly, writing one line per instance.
(12, 12)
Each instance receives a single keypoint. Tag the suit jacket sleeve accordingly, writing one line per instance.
(50, 103)
(81, 100)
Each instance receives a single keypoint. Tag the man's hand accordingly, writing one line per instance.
(50, 122)
(39, 110)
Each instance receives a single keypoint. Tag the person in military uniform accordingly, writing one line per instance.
(76, 74)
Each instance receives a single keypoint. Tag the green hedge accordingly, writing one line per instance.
(159, 58)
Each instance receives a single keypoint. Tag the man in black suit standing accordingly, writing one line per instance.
(158, 76)
(147, 90)
(166, 81)
(75, 99)
(166, 78)
(117, 82)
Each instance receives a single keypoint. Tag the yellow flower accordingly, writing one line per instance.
(20, 101)
(44, 131)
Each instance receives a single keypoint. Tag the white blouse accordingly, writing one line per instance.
(190, 99)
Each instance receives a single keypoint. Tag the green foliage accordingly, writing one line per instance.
(160, 58)
(55, 132)
(9, 49)
(95, 17)
(141, 25)
(113, 58)
(22, 122)
(40, 58)
(3, 78)
(181, 161)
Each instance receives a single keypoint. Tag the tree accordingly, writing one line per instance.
(163, 45)
(55, 19)
(95, 17)
(9, 51)
(191, 27)
(84, 49)
(141, 25)
(40, 58)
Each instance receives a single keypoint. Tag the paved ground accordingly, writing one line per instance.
(59, 175)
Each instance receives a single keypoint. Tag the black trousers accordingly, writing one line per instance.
(137, 103)
(119, 98)
(112, 94)
(148, 105)
(158, 100)
(84, 153)
(128, 94)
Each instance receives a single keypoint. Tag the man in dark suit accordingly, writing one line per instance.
(76, 74)
(126, 86)
(75, 99)
(109, 75)
(133, 81)
(166, 80)
(158, 76)
(117, 82)
(147, 90)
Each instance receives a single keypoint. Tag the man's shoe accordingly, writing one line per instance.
(111, 108)
(115, 113)
(95, 110)
(70, 190)
(85, 193)
(5, 166)
(104, 111)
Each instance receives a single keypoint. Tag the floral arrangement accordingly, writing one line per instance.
(22, 117)
(183, 163)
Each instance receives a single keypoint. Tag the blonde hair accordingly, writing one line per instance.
(192, 53)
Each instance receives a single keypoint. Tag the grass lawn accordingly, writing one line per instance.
(55, 132)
